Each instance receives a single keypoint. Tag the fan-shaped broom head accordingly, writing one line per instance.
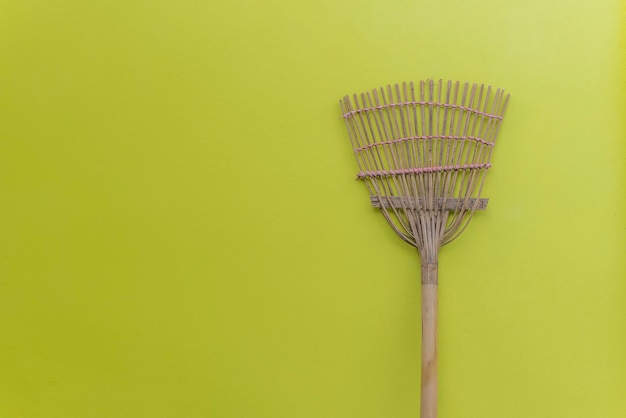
(423, 151)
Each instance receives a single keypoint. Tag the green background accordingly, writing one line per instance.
(181, 235)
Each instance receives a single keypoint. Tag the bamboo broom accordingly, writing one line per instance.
(423, 152)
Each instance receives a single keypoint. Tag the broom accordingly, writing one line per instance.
(423, 152)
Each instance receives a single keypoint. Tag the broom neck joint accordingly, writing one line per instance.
(430, 267)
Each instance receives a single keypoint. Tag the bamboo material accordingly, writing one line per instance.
(450, 204)
(423, 151)
(429, 350)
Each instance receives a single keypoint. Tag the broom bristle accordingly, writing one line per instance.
(423, 151)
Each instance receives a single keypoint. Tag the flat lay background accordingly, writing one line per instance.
(181, 234)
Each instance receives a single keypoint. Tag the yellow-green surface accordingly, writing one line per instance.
(181, 235)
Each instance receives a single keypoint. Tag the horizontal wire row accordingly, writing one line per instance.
(411, 138)
(419, 170)
(452, 106)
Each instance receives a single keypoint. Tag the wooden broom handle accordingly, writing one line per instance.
(429, 340)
